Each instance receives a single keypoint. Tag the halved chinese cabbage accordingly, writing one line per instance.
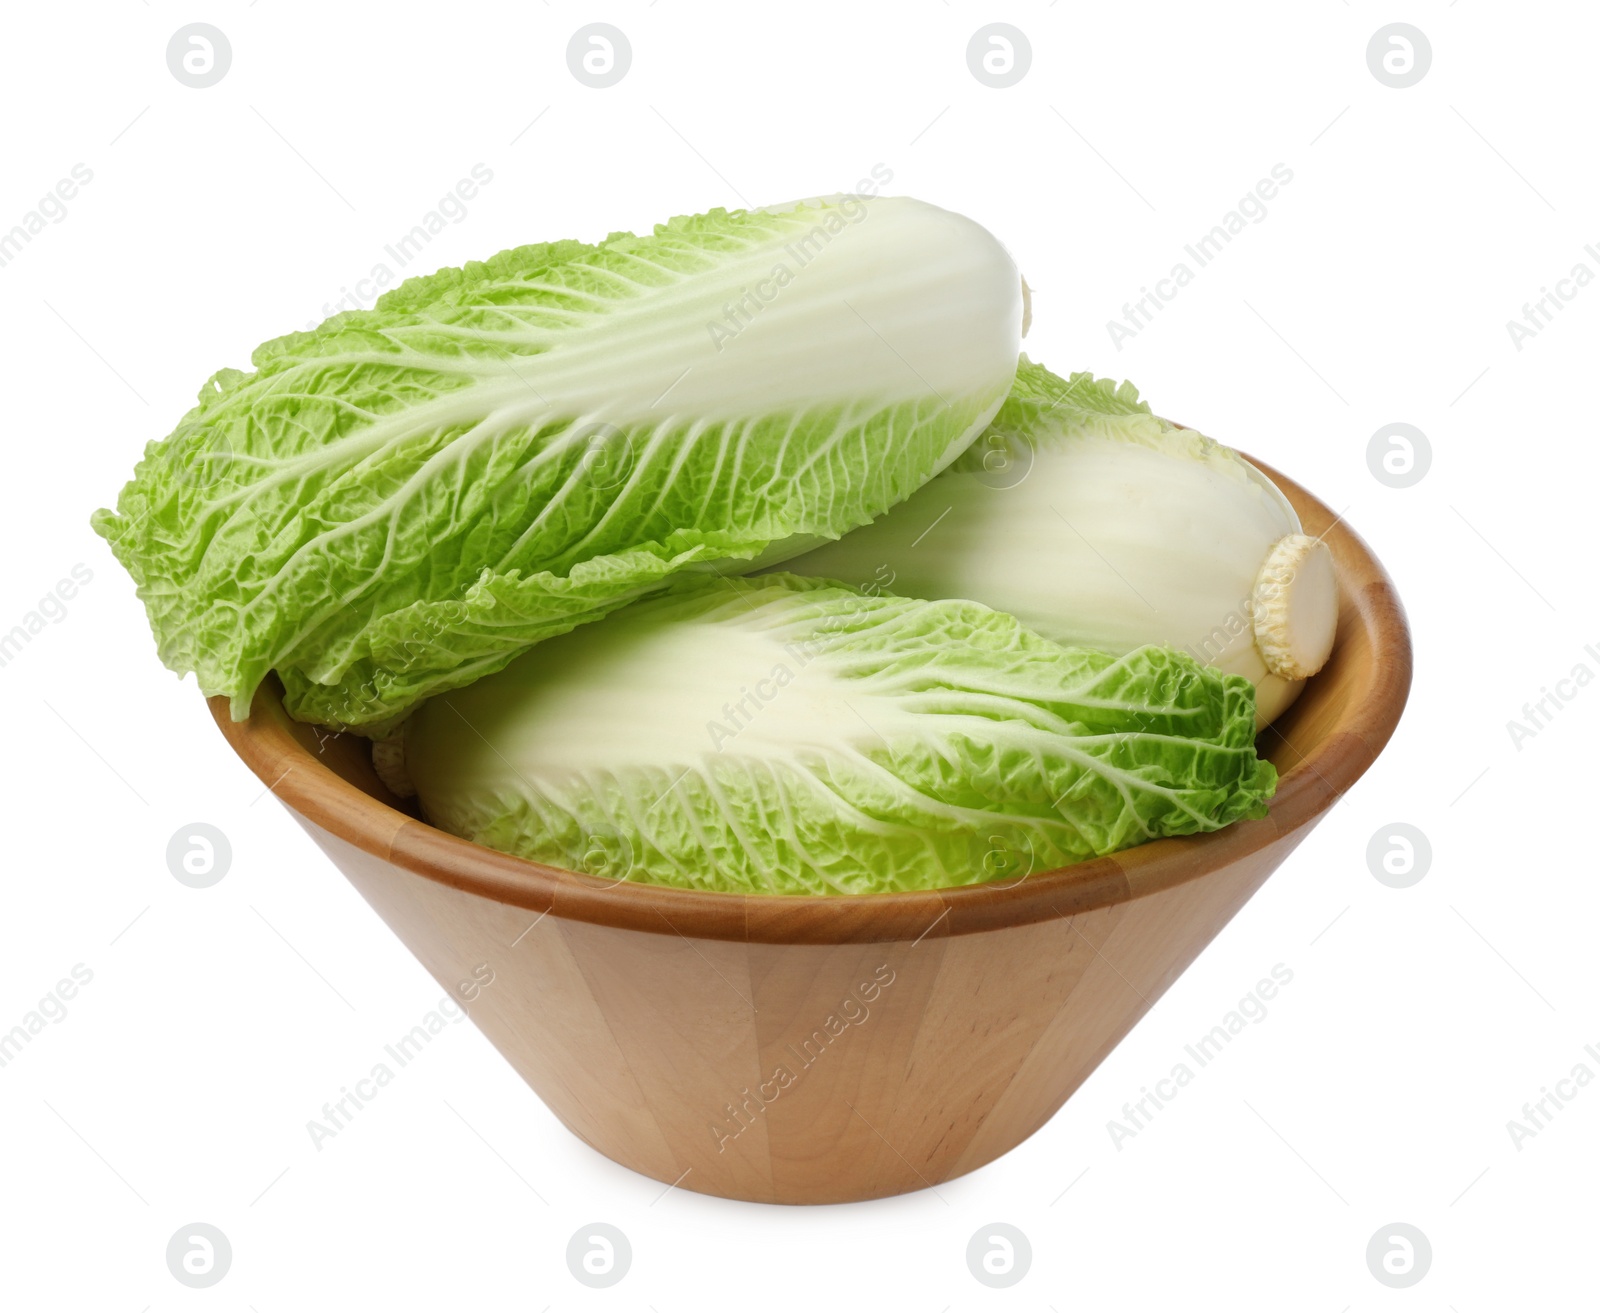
(403, 499)
(1096, 522)
(792, 736)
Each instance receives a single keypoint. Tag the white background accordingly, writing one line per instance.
(1419, 1021)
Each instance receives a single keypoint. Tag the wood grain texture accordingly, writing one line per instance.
(812, 1050)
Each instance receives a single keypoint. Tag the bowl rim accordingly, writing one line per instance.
(276, 750)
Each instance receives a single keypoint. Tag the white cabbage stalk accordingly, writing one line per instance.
(1095, 522)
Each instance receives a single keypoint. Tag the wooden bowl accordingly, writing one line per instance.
(825, 1049)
